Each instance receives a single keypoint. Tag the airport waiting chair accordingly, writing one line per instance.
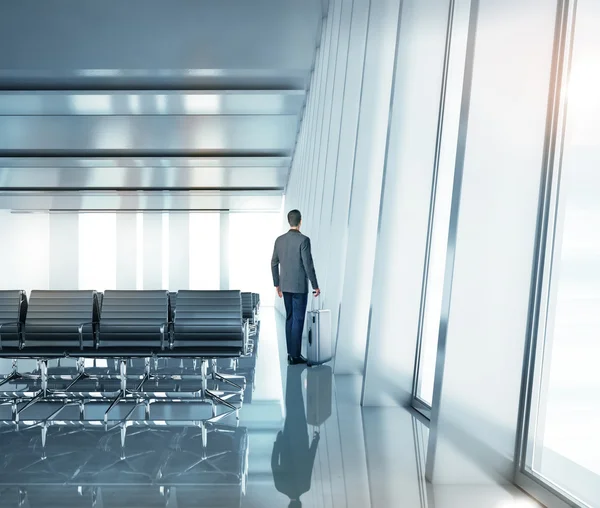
(208, 324)
(134, 324)
(60, 323)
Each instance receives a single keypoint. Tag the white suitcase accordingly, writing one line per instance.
(320, 337)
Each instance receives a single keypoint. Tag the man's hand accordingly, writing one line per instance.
(316, 292)
(279, 292)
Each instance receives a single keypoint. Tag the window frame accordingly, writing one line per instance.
(418, 403)
(551, 215)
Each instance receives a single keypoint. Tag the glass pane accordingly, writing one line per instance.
(205, 250)
(440, 221)
(98, 251)
(563, 444)
(435, 283)
(251, 240)
(25, 267)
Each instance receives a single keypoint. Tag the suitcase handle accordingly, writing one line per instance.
(310, 335)
(312, 305)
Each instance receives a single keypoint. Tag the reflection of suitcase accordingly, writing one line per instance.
(320, 341)
(318, 394)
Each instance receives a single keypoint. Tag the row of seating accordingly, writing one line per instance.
(125, 324)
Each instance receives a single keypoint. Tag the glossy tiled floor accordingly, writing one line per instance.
(302, 440)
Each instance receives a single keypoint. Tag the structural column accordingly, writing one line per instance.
(64, 251)
(224, 250)
(344, 157)
(152, 250)
(369, 160)
(126, 250)
(179, 251)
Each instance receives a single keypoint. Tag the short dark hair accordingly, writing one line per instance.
(294, 218)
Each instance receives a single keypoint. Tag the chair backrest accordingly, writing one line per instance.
(172, 304)
(134, 319)
(13, 309)
(247, 306)
(65, 320)
(209, 323)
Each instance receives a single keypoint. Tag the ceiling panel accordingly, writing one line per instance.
(109, 80)
(152, 135)
(150, 39)
(123, 105)
(163, 177)
(141, 200)
(129, 162)
(175, 102)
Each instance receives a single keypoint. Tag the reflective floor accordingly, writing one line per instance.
(302, 440)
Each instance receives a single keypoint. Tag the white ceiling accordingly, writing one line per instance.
(153, 97)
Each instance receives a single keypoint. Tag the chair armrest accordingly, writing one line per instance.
(164, 331)
(246, 332)
(80, 331)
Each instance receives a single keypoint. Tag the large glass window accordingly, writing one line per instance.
(205, 252)
(25, 257)
(434, 285)
(251, 240)
(562, 446)
(98, 251)
(444, 140)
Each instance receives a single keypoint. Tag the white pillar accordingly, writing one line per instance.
(126, 250)
(64, 251)
(369, 160)
(152, 250)
(224, 250)
(179, 251)
(345, 159)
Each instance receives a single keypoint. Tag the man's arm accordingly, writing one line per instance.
(307, 261)
(275, 266)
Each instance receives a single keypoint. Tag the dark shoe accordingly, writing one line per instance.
(298, 361)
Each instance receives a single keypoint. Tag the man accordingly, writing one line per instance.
(292, 252)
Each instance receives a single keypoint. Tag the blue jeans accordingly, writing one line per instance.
(295, 312)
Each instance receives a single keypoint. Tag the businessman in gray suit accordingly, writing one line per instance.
(292, 267)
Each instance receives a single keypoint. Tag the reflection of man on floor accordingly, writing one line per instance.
(293, 458)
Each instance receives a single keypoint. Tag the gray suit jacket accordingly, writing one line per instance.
(292, 253)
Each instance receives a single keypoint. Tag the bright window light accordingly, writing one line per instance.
(205, 250)
(98, 251)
